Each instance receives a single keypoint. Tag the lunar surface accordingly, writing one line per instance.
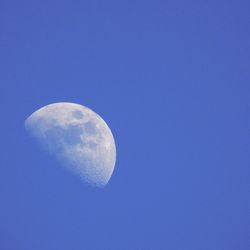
(78, 137)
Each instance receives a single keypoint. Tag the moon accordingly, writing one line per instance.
(78, 137)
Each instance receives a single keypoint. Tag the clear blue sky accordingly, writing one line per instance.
(171, 78)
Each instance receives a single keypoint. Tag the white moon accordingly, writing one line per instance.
(78, 137)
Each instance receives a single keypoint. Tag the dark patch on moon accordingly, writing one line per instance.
(73, 135)
(77, 114)
(91, 145)
(70, 135)
(53, 137)
(90, 128)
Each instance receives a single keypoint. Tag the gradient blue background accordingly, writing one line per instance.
(171, 78)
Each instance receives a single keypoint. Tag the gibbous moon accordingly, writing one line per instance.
(78, 137)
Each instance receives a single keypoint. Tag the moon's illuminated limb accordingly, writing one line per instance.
(78, 137)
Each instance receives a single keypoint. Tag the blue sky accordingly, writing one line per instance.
(171, 78)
